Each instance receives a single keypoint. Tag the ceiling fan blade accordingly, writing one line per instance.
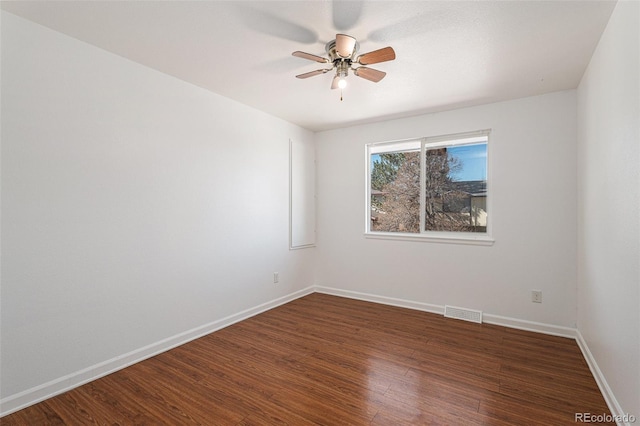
(334, 83)
(345, 45)
(310, 57)
(380, 55)
(369, 74)
(346, 13)
(312, 73)
(271, 24)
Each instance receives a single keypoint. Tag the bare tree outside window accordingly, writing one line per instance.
(396, 177)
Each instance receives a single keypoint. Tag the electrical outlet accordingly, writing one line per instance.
(536, 296)
(276, 277)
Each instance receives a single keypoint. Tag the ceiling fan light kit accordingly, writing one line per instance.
(343, 55)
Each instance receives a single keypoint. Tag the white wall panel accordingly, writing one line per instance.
(302, 183)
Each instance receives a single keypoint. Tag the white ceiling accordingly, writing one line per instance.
(449, 53)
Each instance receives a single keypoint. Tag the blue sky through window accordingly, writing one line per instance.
(473, 159)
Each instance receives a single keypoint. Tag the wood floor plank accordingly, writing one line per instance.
(328, 360)
(549, 376)
(521, 412)
(40, 414)
(111, 402)
(552, 396)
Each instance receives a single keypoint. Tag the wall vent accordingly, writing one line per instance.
(463, 314)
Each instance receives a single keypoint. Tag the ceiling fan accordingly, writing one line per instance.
(343, 55)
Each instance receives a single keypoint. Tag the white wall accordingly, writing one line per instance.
(135, 207)
(533, 167)
(609, 206)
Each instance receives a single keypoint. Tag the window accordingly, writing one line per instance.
(430, 188)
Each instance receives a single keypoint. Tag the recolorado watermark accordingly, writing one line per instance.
(604, 418)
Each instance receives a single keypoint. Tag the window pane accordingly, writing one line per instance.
(456, 188)
(395, 191)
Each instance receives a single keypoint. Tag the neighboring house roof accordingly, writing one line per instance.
(475, 188)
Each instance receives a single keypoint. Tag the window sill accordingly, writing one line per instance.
(468, 239)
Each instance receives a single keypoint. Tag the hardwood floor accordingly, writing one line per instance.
(328, 360)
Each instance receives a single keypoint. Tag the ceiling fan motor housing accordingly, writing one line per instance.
(342, 64)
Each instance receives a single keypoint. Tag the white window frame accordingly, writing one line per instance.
(474, 238)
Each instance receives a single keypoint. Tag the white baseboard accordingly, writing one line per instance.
(402, 303)
(55, 387)
(520, 324)
(605, 390)
(536, 327)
